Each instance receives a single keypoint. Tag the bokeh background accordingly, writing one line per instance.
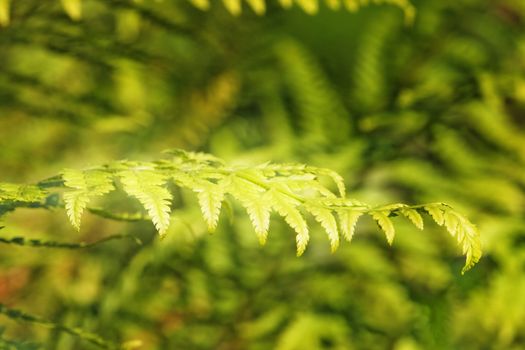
(427, 111)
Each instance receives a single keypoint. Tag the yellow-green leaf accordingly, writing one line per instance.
(413, 216)
(309, 6)
(148, 187)
(287, 208)
(73, 8)
(210, 198)
(233, 6)
(348, 220)
(4, 12)
(327, 220)
(201, 4)
(85, 184)
(436, 213)
(386, 224)
(258, 6)
(76, 202)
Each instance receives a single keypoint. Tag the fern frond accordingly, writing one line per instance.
(326, 219)
(465, 233)
(258, 6)
(323, 117)
(436, 213)
(148, 187)
(76, 202)
(201, 4)
(233, 6)
(286, 206)
(210, 198)
(310, 7)
(288, 189)
(73, 8)
(4, 13)
(413, 216)
(85, 184)
(348, 219)
(385, 223)
(254, 199)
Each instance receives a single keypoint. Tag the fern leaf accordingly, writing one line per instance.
(76, 202)
(327, 220)
(287, 208)
(256, 203)
(201, 4)
(333, 4)
(86, 184)
(284, 188)
(336, 178)
(148, 187)
(309, 6)
(73, 8)
(286, 3)
(385, 223)
(413, 216)
(348, 220)
(471, 245)
(451, 222)
(4, 12)
(258, 6)
(436, 213)
(210, 198)
(351, 5)
(233, 6)
(339, 181)
(466, 235)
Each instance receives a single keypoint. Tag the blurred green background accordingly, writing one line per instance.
(427, 112)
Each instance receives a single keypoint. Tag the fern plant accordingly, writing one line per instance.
(73, 8)
(308, 6)
(290, 190)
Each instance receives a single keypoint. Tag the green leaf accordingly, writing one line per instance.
(309, 6)
(254, 199)
(210, 198)
(413, 216)
(76, 202)
(327, 220)
(451, 222)
(286, 206)
(436, 213)
(385, 223)
(201, 4)
(285, 188)
(85, 185)
(233, 6)
(73, 8)
(148, 187)
(4, 12)
(466, 235)
(258, 6)
(348, 220)
(336, 178)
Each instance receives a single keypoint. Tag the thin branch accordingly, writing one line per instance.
(36, 243)
(95, 339)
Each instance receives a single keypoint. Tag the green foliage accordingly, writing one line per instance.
(86, 184)
(407, 114)
(144, 183)
(286, 189)
(308, 6)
